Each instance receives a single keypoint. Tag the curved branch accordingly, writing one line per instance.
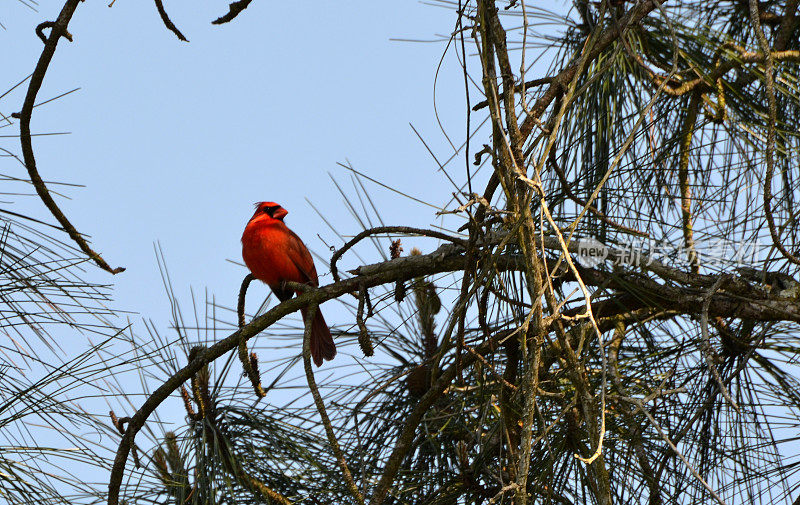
(167, 21)
(58, 30)
(744, 57)
(234, 9)
(408, 230)
(708, 350)
(50, 24)
(249, 363)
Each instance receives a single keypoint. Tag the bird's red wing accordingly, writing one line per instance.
(298, 253)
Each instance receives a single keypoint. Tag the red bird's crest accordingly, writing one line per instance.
(271, 209)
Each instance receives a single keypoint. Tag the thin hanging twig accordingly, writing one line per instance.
(323, 414)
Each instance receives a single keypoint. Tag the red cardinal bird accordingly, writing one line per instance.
(275, 254)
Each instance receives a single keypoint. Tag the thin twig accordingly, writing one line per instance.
(119, 423)
(640, 405)
(708, 351)
(518, 89)
(491, 368)
(50, 24)
(167, 21)
(510, 487)
(323, 414)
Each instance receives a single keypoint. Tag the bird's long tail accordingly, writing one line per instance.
(322, 346)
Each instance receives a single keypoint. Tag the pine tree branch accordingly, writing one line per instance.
(638, 12)
(450, 258)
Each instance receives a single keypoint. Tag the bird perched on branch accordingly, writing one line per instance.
(276, 255)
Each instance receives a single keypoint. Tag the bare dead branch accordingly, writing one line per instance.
(407, 230)
(234, 9)
(58, 29)
(167, 21)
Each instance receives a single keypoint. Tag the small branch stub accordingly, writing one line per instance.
(52, 25)
(363, 332)
(399, 288)
(119, 423)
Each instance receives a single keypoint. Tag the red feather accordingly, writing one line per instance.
(275, 254)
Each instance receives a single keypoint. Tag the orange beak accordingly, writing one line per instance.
(280, 213)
